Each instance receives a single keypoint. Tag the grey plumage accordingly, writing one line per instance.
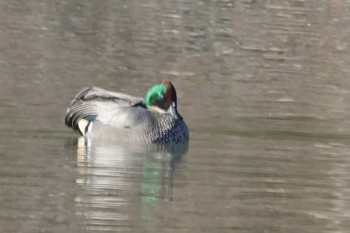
(104, 115)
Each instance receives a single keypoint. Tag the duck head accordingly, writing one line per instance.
(162, 96)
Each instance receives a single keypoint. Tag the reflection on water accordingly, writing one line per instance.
(123, 184)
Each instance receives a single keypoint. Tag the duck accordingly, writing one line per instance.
(99, 114)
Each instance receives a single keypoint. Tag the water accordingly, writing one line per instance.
(262, 85)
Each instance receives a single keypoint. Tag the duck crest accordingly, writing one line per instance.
(168, 92)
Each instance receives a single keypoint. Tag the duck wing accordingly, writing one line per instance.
(99, 94)
(95, 103)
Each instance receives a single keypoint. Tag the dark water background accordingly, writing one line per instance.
(263, 85)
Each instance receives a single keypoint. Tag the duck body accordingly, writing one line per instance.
(99, 114)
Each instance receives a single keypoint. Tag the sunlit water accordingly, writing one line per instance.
(263, 86)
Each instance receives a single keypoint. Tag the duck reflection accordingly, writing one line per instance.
(121, 184)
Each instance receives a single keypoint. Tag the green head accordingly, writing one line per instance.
(161, 95)
(155, 94)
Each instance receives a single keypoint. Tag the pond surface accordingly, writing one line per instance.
(263, 85)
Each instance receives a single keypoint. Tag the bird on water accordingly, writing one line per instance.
(99, 114)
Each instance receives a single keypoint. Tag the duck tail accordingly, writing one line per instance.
(80, 112)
